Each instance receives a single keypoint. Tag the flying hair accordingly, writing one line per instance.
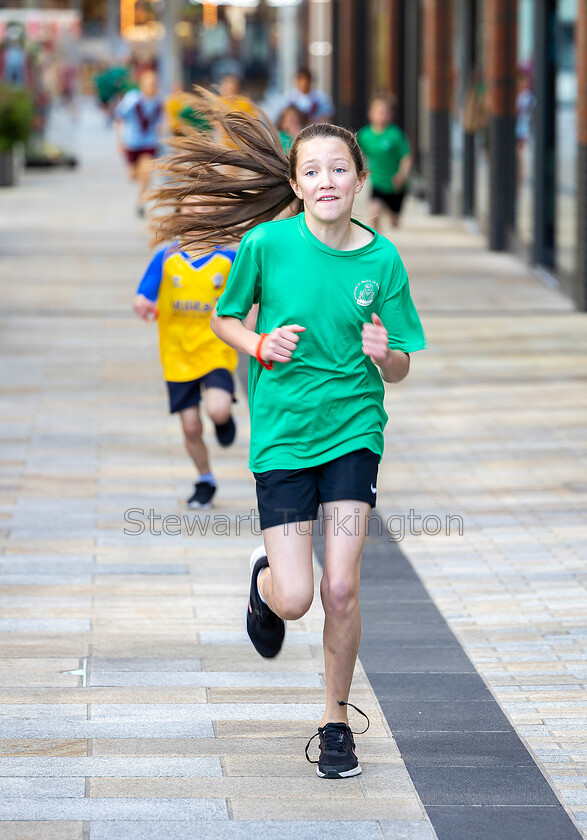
(223, 181)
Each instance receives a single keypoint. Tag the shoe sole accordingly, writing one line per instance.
(198, 506)
(339, 774)
(256, 555)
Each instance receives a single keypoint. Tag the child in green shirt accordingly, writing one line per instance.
(388, 152)
(334, 316)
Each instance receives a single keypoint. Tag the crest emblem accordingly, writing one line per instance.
(176, 280)
(365, 292)
(218, 280)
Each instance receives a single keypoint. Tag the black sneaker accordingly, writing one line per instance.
(202, 496)
(265, 629)
(338, 759)
(226, 432)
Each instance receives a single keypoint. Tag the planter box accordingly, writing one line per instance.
(7, 169)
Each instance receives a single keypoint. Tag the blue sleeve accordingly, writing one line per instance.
(149, 285)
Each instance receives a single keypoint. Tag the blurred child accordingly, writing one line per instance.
(138, 120)
(289, 123)
(180, 292)
(388, 152)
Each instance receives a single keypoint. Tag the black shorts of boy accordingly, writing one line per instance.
(285, 496)
(184, 395)
(393, 201)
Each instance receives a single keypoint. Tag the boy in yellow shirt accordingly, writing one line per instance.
(181, 292)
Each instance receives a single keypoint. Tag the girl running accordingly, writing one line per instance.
(334, 316)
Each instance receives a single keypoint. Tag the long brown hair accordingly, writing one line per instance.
(220, 183)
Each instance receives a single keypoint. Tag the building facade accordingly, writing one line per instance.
(493, 96)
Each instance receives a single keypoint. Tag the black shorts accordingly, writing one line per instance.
(184, 395)
(294, 495)
(393, 201)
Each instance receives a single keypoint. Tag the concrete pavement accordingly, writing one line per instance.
(132, 704)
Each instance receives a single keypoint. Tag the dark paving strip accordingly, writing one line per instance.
(472, 772)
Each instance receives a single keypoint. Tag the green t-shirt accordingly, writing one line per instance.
(327, 400)
(384, 150)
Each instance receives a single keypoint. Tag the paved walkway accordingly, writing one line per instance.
(131, 701)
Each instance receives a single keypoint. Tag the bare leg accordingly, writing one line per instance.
(340, 597)
(144, 166)
(218, 403)
(192, 433)
(288, 584)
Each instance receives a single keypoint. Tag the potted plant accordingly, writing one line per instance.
(16, 124)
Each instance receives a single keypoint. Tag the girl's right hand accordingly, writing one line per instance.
(281, 343)
(145, 308)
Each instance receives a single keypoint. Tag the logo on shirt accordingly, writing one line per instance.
(365, 292)
(176, 280)
(218, 280)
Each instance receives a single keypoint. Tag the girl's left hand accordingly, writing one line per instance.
(375, 340)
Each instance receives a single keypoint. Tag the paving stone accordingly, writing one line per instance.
(111, 766)
(43, 746)
(394, 807)
(244, 830)
(414, 716)
(27, 788)
(204, 678)
(132, 728)
(44, 625)
(513, 786)
(37, 579)
(463, 749)
(301, 784)
(432, 687)
(177, 810)
(504, 823)
(436, 660)
(144, 664)
(413, 830)
(41, 830)
(181, 712)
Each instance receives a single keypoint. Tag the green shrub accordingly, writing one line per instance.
(16, 116)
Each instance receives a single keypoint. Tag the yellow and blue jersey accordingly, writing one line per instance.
(186, 291)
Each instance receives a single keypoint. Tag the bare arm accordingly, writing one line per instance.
(401, 176)
(393, 364)
(278, 346)
(145, 308)
(234, 332)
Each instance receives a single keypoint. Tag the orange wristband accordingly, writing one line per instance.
(262, 362)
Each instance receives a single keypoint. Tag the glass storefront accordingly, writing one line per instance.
(525, 125)
(459, 96)
(566, 137)
(216, 40)
(481, 157)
